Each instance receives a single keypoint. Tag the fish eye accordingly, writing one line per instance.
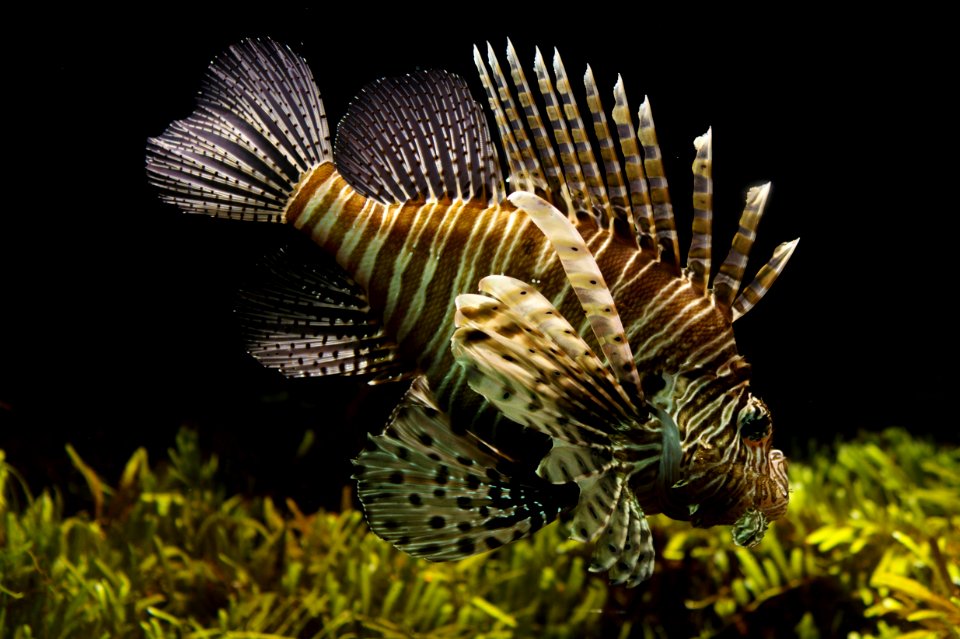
(755, 426)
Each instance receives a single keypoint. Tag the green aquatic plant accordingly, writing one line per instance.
(167, 554)
(870, 548)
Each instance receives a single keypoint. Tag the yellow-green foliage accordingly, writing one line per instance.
(870, 548)
(170, 556)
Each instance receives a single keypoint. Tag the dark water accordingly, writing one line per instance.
(116, 308)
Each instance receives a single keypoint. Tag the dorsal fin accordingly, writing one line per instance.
(619, 207)
(559, 163)
(581, 143)
(666, 227)
(698, 257)
(548, 158)
(727, 283)
(572, 172)
(417, 137)
(633, 161)
(764, 279)
(564, 168)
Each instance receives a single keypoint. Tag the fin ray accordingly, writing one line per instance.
(698, 257)
(258, 127)
(420, 136)
(588, 283)
(666, 227)
(304, 317)
(727, 283)
(442, 496)
(621, 214)
(764, 279)
(633, 163)
(596, 192)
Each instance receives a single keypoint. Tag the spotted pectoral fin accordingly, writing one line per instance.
(443, 496)
(304, 317)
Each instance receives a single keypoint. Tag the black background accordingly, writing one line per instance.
(116, 308)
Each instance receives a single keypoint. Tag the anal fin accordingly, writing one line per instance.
(305, 317)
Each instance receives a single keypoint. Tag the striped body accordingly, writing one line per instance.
(620, 364)
(414, 259)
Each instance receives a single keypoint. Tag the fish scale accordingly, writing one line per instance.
(571, 260)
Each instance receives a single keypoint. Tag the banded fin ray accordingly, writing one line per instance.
(633, 163)
(765, 278)
(620, 206)
(572, 173)
(419, 136)
(636, 208)
(525, 170)
(441, 496)
(727, 283)
(596, 191)
(259, 125)
(664, 223)
(305, 318)
(548, 158)
(698, 257)
(524, 358)
(588, 283)
(557, 387)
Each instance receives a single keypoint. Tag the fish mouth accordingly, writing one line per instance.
(749, 528)
(779, 496)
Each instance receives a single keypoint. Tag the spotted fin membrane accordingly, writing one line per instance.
(527, 360)
(441, 496)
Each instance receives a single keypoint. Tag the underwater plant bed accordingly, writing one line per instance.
(870, 548)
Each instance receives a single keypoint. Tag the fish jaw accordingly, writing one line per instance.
(762, 500)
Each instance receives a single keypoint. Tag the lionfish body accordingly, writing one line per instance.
(571, 260)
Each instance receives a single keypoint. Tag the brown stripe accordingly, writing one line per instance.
(304, 190)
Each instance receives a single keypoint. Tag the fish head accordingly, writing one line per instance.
(729, 473)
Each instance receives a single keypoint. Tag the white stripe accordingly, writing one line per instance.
(669, 328)
(655, 306)
(355, 233)
(328, 219)
(441, 337)
(387, 216)
(313, 203)
(400, 263)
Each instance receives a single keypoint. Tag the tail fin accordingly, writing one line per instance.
(259, 126)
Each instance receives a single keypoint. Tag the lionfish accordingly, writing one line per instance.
(591, 378)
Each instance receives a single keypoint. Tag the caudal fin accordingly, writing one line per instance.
(259, 126)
